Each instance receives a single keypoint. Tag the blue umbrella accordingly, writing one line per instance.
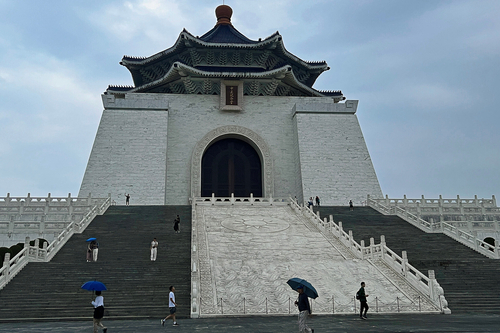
(94, 286)
(91, 239)
(309, 290)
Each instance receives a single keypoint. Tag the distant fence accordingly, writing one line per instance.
(328, 305)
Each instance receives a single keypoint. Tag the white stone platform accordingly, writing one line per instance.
(246, 255)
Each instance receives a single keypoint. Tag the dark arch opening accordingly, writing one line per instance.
(231, 166)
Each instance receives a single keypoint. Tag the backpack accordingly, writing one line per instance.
(357, 295)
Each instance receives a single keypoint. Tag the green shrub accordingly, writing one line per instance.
(14, 250)
(40, 244)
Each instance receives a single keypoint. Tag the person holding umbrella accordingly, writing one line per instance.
(98, 304)
(89, 249)
(304, 310)
(305, 290)
(98, 312)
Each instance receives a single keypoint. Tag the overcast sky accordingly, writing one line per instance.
(426, 74)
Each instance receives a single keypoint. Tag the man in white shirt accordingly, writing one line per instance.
(154, 249)
(98, 312)
(172, 306)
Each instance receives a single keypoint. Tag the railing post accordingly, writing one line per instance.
(397, 300)
(432, 279)
(372, 247)
(44, 253)
(333, 305)
(251, 198)
(6, 266)
(232, 199)
(212, 200)
(405, 263)
(382, 245)
(362, 243)
(376, 304)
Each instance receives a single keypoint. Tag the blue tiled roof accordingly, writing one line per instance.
(226, 33)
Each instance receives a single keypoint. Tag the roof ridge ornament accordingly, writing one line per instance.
(223, 13)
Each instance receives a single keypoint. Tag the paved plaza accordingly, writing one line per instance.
(283, 324)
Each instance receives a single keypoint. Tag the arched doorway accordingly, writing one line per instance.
(231, 166)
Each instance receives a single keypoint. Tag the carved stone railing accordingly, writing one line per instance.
(465, 237)
(428, 286)
(446, 210)
(43, 217)
(232, 200)
(426, 202)
(29, 253)
(195, 269)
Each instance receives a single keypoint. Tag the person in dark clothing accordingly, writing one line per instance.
(363, 305)
(317, 201)
(98, 312)
(351, 205)
(127, 199)
(304, 310)
(177, 221)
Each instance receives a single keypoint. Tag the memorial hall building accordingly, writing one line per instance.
(221, 114)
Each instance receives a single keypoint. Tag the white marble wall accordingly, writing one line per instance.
(334, 160)
(145, 142)
(129, 156)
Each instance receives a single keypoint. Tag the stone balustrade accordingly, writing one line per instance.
(232, 200)
(458, 209)
(462, 232)
(428, 286)
(29, 253)
(40, 217)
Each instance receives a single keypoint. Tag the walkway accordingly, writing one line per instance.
(340, 323)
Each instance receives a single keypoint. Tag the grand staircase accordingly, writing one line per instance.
(137, 287)
(471, 282)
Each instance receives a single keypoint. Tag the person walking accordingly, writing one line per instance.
(171, 306)
(351, 206)
(98, 312)
(317, 201)
(310, 202)
(304, 310)
(154, 249)
(89, 252)
(94, 245)
(363, 305)
(127, 199)
(177, 222)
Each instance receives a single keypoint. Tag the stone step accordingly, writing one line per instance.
(467, 277)
(136, 286)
